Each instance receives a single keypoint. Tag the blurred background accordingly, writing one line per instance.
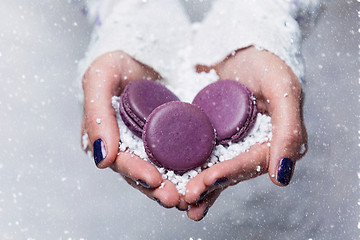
(49, 189)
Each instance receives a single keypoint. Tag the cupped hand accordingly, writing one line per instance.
(106, 77)
(278, 93)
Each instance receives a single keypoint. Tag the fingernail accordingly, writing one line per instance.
(204, 213)
(219, 182)
(99, 151)
(285, 171)
(202, 196)
(159, 202)
(144, 184)
(185, 209)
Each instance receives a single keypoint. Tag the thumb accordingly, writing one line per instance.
(106, 76)
(103, 132)
(99, 84)
(289, 138)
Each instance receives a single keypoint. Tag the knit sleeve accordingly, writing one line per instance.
(152, 32)
(156, 32)
(272, 25)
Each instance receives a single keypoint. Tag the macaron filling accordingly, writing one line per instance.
(128, 119)
(250, 121)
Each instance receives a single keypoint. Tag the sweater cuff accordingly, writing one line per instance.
(233, 25)
(152, 32)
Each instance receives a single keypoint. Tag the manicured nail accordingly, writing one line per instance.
(99, 151)
(159, 202)
(204, 213)
(185, 209)
(219, 182)
(144, 184)
(202, 196)
(285, 171)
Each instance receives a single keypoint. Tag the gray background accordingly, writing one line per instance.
(50, 190)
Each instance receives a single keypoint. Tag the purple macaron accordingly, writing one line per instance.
(178, 136)
(231, 107)
(139, 99)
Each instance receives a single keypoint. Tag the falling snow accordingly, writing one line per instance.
(51, 190)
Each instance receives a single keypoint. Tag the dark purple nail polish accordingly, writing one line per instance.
(202, 196)
(204, 214)
(206, 211)
(219, 182)
(285, 171)
(144, 184)
(99, 151)
(159, 202)
(180, 209)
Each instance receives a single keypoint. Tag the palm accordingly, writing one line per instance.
(278, 94)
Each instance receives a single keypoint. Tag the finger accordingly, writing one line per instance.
(105, 78)
(289, 139)
(196, 189)
(240, 168)
(198, 211)
(137, 169)
(243, 167)
(99, 84)
(145, 177)
(182, 205)
(166, 196)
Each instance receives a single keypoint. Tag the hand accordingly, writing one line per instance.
(106, 77)
(279, 95)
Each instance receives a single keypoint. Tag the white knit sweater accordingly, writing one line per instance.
(156, 32)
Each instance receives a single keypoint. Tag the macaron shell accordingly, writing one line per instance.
(128, 121)
(178, 136)
(143, 96)
(230, 107)
(139, 99)
(250, 122)
(127, 109)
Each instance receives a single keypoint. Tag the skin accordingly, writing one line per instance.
(106, 77)
(278, 94)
